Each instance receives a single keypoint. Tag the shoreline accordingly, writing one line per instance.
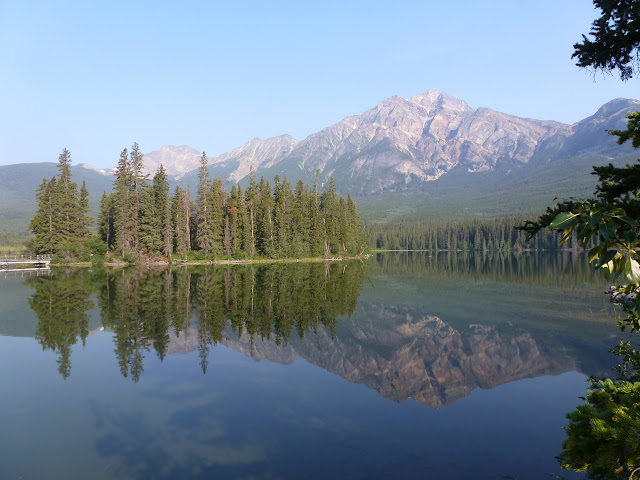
(182, 263)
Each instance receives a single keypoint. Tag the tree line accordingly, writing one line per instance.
(141, 217)
(470, 235)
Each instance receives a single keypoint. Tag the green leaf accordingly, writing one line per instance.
(584, 232)
(595, 220)
(608, 231)
(629, 236)
(564, 220)
(632, 271)
(629, 221)
(606, 257)
(594, 253)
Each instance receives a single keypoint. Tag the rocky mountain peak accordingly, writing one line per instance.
(256, 153)
(436, 100)
(176, 160)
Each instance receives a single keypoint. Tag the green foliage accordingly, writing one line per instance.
(603, 433)
(61, 223)
(474, 235)
(616, 37)
(141, 219)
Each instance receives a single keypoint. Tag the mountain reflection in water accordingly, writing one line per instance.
(431, 328)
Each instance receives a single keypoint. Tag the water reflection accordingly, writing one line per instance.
(183, 309)
(431, 328)
(61, 305)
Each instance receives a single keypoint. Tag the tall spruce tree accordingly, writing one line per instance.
(138, 186)
(59, 223)
(106, 220)
(85, 220)
(163, 210)
(43, 225)
(204, 223)
(124, 223)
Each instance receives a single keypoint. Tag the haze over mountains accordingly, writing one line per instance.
(432, 152)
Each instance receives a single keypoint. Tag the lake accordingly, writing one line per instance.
(407, 365)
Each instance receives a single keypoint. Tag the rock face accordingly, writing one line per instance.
(255, 154)
(402, 143)
(176, 160)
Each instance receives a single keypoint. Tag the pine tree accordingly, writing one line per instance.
(150, 231)
(85, 221)
(204, 224)
(236, 215)
(138, 186)
(163, 211)
(317, 231)
(106, 220)
(250, 197)
(181, 206)
(216, 217)
(283, 217)
(42, 224)
(124, 223)
(67, 215)
(301, 221)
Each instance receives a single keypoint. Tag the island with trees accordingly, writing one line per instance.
(141, 221)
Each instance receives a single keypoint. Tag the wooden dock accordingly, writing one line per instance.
(16, 262)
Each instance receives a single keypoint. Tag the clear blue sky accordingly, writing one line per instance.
(96, 76)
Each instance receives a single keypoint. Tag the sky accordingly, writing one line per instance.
(94, 77)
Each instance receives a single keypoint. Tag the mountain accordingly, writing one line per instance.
(176, 161)
(431, 154)
(402, 144)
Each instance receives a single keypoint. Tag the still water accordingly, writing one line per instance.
(403, 366)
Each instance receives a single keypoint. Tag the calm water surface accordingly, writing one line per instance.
(405, 366)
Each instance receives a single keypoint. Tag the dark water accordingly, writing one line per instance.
(405, 366)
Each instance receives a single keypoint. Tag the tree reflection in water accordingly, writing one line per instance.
(144, 309)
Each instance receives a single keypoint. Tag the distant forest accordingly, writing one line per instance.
(470, 235)
(141, 218)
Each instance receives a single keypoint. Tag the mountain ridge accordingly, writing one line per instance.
(400, 143)
(402, 157)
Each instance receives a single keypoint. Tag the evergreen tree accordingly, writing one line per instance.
(42, 225)
(301, 232)
(84, 227)
(217, 200)
(138, 186)
(236, 215)
(106, 220)
(67, 215)
(283, 217)
(250, 227)
(181, 207)
(163, 211)
(150, 226)
(124, 211)
(205, 228)
(60, 222)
